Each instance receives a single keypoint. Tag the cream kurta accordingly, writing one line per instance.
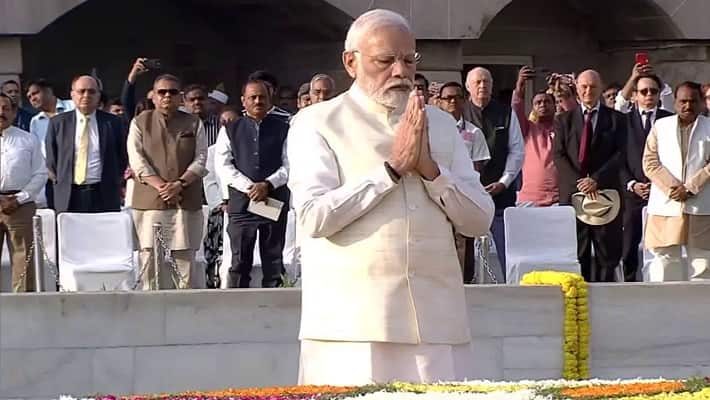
(182, 229)
(687, 229)
(382, 295)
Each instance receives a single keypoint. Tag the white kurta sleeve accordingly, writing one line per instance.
(325, 206)
(460, 194)
(280, 177)
(516, 152)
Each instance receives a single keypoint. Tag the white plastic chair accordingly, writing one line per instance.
(198, 275)
(95, 251)
(542, 238)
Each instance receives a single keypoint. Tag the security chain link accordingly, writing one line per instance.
(28, 264)
(181, 282)
(482, 257)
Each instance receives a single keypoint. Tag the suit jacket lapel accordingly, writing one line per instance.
(637, 125)
(577, 127)
(103, 126)
(603, 125)
(71, 141)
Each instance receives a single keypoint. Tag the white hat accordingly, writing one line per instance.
(601, 211)
(219, 96)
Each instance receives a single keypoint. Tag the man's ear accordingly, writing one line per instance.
(350, 63)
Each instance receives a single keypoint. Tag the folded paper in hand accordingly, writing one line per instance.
(269, 208)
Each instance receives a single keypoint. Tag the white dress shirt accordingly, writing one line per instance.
(229, 175)
(93, 164)
(474, 140)
(516, 152)
(595, 116)
(22, 165)
(210, 183)
(40, 122)
(667, 100)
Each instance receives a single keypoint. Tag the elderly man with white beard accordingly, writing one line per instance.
(378, 179)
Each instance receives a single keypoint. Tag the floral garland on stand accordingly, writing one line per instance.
(576, 318)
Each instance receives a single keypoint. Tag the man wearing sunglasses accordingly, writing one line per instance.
(86, 153)
(167, 150)
(640, 120)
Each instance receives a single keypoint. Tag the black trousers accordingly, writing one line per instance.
(606, 240)
(633, 232)
(85, 199)
(242, 236)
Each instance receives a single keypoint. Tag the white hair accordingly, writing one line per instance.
(370, 21)
(322, 77)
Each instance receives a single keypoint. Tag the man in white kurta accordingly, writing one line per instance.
(677, 161)
(382, 296)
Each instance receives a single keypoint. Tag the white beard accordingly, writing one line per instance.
(394, 99)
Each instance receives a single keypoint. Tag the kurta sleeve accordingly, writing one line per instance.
(652, 167)
(198, 165)
(460, 194)
(136, 153)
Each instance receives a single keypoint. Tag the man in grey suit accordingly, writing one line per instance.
(86, 153)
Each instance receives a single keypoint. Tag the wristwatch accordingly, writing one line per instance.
(183, 182)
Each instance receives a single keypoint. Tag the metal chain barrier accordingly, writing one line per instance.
(38, 260)
(482, 248)
(162, 251)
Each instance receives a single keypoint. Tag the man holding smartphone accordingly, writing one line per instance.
(625, 99)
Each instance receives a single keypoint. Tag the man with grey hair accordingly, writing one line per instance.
(378, 179)
(322, 88)
(501, 128)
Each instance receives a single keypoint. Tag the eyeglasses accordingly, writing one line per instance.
(420, 87)
(387, 60)
(163, 92)
(451, 98)
(646, 91)
(196, 98)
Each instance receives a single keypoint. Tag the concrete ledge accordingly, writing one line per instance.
(145, 342)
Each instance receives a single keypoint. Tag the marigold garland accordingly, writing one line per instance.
(576, 319)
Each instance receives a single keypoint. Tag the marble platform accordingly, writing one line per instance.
(84, 343)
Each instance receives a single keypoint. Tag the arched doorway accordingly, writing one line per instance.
(204, 41)
(568, 36)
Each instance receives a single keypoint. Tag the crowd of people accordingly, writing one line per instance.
(608, 151)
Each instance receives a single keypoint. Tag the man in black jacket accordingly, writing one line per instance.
(637, 186)
(251, 164)
(86, 153)
(589, 151)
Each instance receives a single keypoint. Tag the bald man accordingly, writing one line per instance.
(501, 128)
(86, 153)
(589, 151)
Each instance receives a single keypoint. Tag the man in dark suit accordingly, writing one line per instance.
(86, 153)
(640, 119)
(589, 150)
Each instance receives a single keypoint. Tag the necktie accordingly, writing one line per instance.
(647, 122)
(586, 142)
(82, 154)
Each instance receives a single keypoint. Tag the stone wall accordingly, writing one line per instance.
(84, 343)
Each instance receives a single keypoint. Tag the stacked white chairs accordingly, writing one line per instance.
(96, 251)
(540, 238)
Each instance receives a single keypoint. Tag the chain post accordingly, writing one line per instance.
(37, 259)
(157, 231)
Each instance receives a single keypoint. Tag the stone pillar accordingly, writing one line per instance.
(442, 60)
(10, 58)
